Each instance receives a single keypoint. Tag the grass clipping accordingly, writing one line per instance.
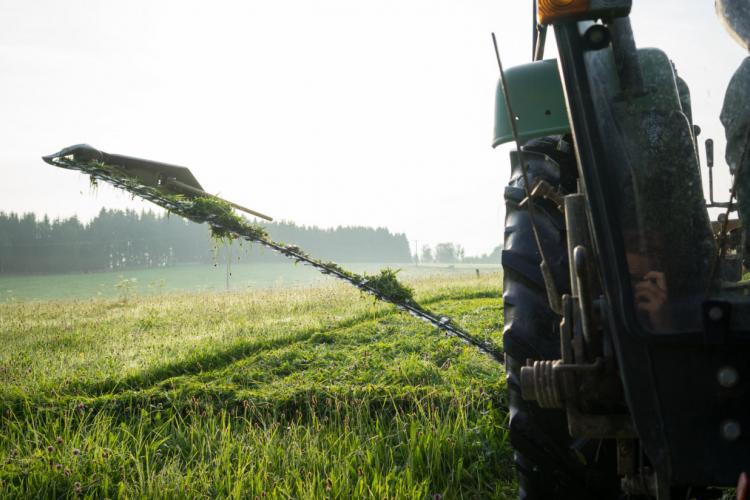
(224, 222)
(387, 284)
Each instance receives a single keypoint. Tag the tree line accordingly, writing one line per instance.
(118, 240)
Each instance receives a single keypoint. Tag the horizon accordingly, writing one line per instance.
(160, 213)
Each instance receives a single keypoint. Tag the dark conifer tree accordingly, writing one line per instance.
(117, 240)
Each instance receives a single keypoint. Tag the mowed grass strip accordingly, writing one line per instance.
(306, 393)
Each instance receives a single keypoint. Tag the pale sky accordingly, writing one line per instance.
(329, 112)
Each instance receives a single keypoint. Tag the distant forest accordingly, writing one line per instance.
(118, 240)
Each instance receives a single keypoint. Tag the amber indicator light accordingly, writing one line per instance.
(551, 11)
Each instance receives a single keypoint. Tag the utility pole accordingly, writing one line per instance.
(228, 246)
(416, 252)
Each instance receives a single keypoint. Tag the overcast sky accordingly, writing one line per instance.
(329, 112)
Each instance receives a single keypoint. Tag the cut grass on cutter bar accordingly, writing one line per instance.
(147, 179)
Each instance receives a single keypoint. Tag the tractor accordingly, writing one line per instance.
(627, 318)
(626, 307)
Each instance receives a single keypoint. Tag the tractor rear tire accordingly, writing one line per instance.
(549, 463)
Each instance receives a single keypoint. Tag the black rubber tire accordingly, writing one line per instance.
(549, 464)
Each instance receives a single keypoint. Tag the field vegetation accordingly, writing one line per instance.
(244, 274)
(287, 393)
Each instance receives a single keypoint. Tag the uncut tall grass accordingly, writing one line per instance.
(300, 393)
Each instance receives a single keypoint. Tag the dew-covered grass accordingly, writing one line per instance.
(287, 393)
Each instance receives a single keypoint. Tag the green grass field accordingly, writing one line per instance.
(199, 278)
(285, 393)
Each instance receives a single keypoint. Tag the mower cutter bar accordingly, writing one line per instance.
(154, 193)
(148, 172)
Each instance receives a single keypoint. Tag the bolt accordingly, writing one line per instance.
(715, 313)
(727, 377)
(730, 430)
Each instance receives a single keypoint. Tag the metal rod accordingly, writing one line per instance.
(710, 165)
(534, 32)
(553, 296)
(200, 192)
(540, 41)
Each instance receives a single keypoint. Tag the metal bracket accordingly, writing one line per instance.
(545, 190)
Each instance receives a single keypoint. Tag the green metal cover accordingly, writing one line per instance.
(537, 98)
